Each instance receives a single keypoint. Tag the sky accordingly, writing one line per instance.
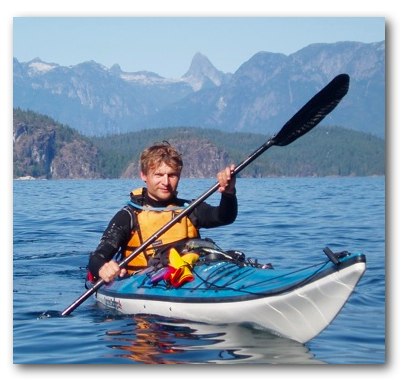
(166, 45)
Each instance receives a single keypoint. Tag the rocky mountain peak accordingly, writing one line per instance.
(116, 70)
(39, 67)
(202, 73)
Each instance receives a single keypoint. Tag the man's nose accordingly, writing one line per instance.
(165, 179)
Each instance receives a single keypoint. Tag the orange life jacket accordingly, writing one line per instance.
(147, 221)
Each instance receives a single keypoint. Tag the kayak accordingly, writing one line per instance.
(226, 287)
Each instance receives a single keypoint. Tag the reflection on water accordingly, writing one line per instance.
(156, 340)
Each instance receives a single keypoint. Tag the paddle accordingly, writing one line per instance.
(316, 109)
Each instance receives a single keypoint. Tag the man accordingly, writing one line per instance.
(151, 207)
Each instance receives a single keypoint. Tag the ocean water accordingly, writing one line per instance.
(286, 221)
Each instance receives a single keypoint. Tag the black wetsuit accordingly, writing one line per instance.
(118, 232)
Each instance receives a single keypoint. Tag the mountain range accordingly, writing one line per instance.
(260, 96)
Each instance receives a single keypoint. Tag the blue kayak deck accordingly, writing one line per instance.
(223, 281)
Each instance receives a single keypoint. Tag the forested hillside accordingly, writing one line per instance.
(46, 149)
(325, 151)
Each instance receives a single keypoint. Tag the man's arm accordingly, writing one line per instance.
(207, 216)
(115, 236)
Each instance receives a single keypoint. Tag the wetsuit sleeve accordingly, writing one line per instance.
(207, 216)
(115, 237)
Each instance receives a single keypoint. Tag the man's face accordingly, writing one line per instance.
(161, 182)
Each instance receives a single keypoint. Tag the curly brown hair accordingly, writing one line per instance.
(161, 152)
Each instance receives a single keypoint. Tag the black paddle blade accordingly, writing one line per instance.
(314, 111)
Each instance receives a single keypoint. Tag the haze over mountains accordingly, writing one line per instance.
(260, 96)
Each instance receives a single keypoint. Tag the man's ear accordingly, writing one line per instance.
(143, 176)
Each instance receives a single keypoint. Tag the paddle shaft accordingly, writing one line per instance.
(303, 121)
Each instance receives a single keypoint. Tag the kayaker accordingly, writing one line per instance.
(151, 207)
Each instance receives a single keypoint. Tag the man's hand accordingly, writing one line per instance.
(226, 181)
(109, 271)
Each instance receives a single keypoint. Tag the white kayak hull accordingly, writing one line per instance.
(299, 314)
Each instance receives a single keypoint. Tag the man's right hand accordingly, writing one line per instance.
(109, 271)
